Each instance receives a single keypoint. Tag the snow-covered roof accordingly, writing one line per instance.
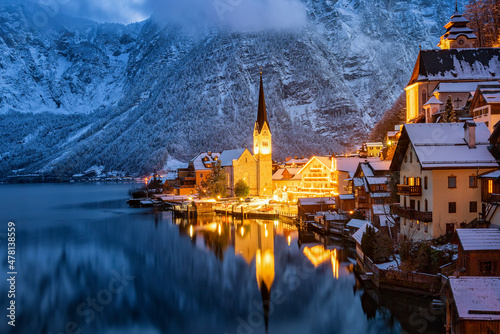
(335, 216)
(491, 175)
(326, 161)
(297, 161)
(380, 195)
(392, 133)
(346, 196)
(458, 87)
(367, 171)
(358, 236)
(456, 65)
(476, 298)
(381, 165)
(442, 145)
(278, 176)
(381, 209)
(204, 160)
(316, 201)
(356, 223)
(433, 100)
(384, 221)
(376, 179)
(358, 182)
(351, 164)
(227, 156)
(479, 238)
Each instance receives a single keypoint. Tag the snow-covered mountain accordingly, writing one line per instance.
(75, 93)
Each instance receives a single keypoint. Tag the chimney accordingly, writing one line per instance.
(209, 153)
(470, 134)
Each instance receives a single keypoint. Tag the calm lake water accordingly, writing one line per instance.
(87, 263)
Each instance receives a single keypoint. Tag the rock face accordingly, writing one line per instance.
(76, 94)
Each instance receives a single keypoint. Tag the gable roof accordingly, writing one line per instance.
(203, 160)
(476, 298)
(479, 238)
(325, 161)
(350, 164)
(358, 236)
(442, 145)
(278, 176)
(457, 64)
(226, 157)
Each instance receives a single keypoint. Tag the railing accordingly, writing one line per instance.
(409, 213)
(407, 190)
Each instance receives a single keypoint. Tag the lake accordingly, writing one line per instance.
(87, 263)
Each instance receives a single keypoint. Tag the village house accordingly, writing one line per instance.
(319, 178)
(286, 182)
(190, 178)
(439, 165)
(478, 251)
(485, 105)
(455, 70)
(472, 304)
(370, 149)
(370, 185)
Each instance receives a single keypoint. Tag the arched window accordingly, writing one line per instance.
(424, 96)
(426, 180)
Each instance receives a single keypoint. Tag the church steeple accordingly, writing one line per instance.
(262, 147)
(261, 113)
(457, 34)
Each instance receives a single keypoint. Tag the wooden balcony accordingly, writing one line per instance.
(409, 213)
(407, 190)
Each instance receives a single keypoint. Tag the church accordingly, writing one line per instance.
(455, 70)
(255, 169)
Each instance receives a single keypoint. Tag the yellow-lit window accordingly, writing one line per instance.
(490, 186)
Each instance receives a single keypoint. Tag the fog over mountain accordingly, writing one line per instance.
(76, 93)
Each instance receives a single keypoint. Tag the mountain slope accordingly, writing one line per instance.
(78, 93)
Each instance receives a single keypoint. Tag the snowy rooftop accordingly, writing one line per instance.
(479, 238)
(335, 216)
(204, 160)
(380, 195)
(381, 209)
(278, 176)
(457, 64)
(458, 87)
(491, 175)
(359, 233)
(442, 145)
(316, 201)
(297, 161)
(375, 144)
(433, 100)
(380, 165)
(346, 196)
(351, 164)
(476, 298)
(367, 171)
(376, 180)
(227, 156)
(357, 223)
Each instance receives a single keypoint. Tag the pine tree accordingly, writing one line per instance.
(449, 115)
(216, 181)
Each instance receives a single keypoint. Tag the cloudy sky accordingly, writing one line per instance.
(238, 14)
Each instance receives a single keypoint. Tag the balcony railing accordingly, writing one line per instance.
(409, 213)
(407, 190)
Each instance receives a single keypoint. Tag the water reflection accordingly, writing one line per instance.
(210, 275)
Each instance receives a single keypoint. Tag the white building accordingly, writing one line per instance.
(439, 164)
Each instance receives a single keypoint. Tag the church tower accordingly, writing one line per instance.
(457, 34)
(262, 148)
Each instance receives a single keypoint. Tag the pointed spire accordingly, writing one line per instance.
(456, 6)
(261, 114)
